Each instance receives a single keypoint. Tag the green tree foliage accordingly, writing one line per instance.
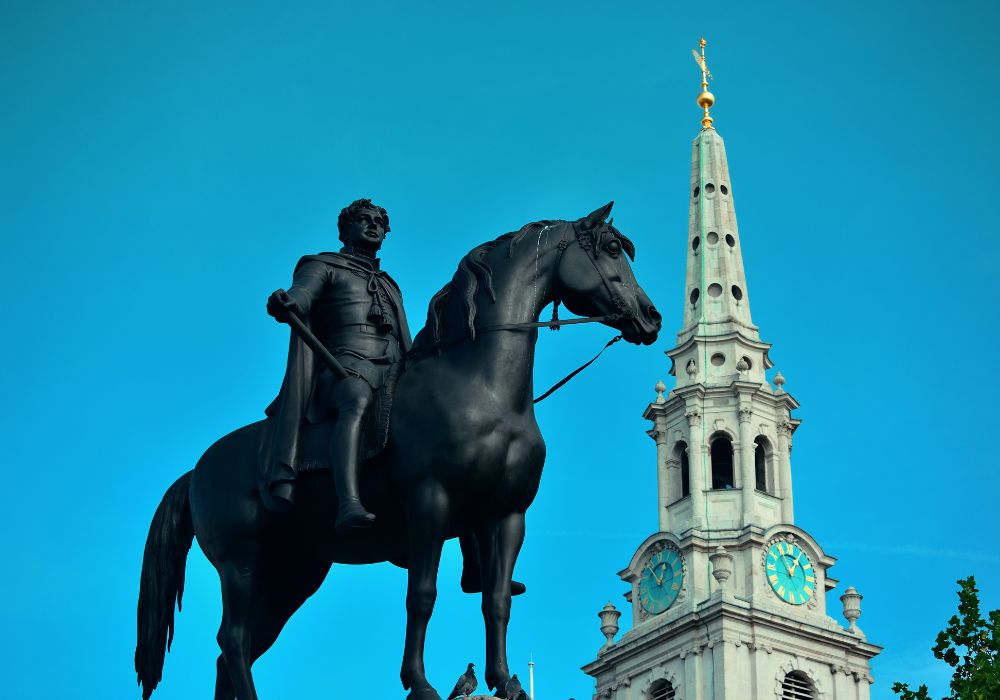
(971, 646)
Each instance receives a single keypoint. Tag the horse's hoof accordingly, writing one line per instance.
(501, 687)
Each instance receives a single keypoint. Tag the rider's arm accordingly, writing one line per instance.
(308, 283)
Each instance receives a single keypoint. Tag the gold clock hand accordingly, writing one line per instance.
(795, 564)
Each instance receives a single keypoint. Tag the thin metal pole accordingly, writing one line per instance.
(531, 678)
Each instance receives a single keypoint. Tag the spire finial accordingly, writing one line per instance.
(705, 99)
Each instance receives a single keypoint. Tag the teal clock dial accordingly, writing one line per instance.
(790, 573)
(660, 581)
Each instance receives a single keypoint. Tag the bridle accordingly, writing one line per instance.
(586, 241)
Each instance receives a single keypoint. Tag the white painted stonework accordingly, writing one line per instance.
(728, 635)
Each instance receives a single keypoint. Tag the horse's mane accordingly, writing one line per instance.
(473, 273)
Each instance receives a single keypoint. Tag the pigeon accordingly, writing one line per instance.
(513, 689)
(465, 684)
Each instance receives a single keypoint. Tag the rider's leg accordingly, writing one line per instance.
(351, 397)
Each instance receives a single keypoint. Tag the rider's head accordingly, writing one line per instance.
(363, 224)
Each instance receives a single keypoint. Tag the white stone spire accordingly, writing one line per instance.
(716, 284)
(718, 335)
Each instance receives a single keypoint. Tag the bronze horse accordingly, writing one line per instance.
(464, 455)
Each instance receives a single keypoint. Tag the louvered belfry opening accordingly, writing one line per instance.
(685, 470)
(722, 462)
(761, 457)
(797, 686)
(661, 690)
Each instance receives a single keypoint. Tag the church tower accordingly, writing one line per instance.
(729, 596)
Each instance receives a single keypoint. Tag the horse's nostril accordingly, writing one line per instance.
(654, 314)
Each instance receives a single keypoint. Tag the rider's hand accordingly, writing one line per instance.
(279, 304)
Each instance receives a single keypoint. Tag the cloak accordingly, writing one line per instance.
(279, 459)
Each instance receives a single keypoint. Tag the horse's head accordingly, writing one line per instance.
(595, 279)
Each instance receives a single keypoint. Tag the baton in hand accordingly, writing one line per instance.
(301, 330)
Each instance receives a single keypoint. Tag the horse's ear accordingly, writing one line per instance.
(596, 217)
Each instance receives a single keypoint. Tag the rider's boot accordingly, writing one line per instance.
(346, 449)
(472, 580)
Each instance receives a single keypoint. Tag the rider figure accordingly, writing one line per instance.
(356, 311)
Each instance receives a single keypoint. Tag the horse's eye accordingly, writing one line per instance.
(613, 246)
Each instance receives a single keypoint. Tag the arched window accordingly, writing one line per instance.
(722, 463)
(685, 470)
(761, 461)
(661, 690)
(797, 686)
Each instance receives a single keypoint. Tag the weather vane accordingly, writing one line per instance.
(705, 99)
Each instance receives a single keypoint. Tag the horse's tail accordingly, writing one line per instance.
(162, 581)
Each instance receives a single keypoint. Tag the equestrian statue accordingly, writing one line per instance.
(376, 450)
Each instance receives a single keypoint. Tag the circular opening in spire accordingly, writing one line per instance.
(730, 240)
(714, 290)
(746, 359)
(709, 188)
(695, 295)
(723, 189)
(696, 191)
(718, 359)
(712, 238)
(695, 243)
(737, 293)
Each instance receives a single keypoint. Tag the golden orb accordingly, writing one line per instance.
(706, 99)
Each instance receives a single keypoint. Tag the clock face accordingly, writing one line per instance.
(660, 581)
(790, 573)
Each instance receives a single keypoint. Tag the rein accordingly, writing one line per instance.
(554, 325)
(577, 371)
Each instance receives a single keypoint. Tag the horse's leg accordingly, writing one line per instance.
(498, 550)
(238, 602)
(223, 686)
(280, 594)
(427, 519)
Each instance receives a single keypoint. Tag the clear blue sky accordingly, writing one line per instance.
(163, 166)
